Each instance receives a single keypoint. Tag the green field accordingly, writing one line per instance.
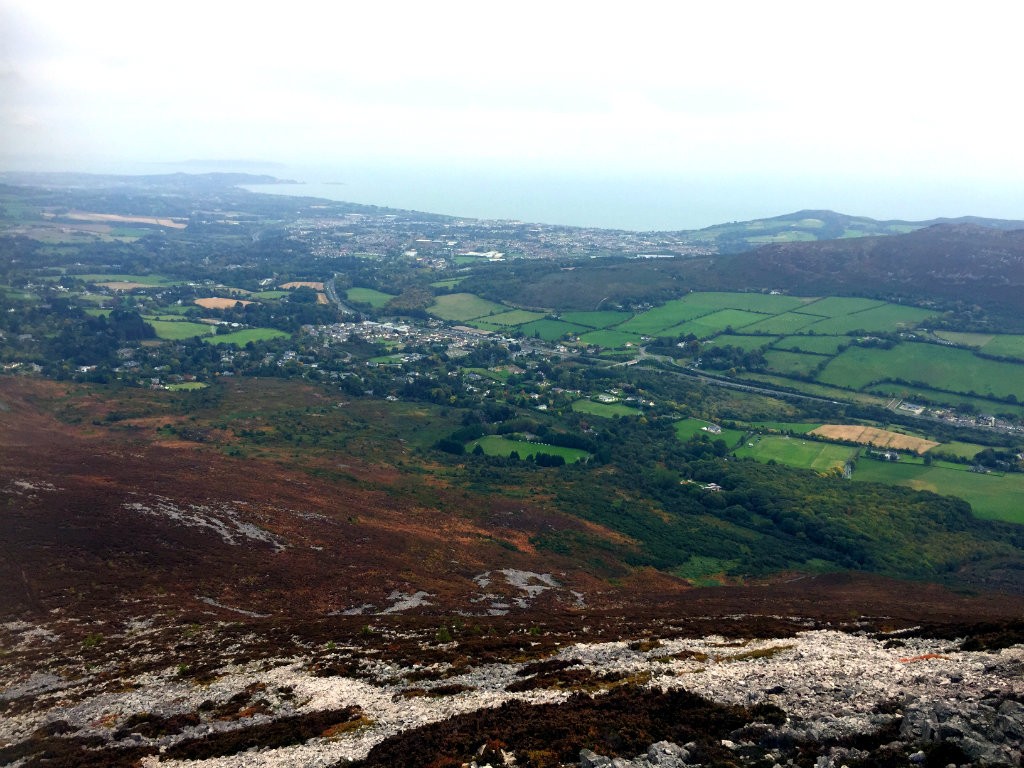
(1005, 345)
(495, 445)
(888, 317)
(754, 302)
(836, 306)
(270, 294)
(605, 410)
(551, 330)
(613, 339)
(796, 427)
(460, 307)
(451, 283)
(175, 330)
(793, 363)
(711, 325)
(375, 299)
(819, 345)
(966, 339)
(816, 390)
(687, 428)
(605, 319)
(515, 317)
(485, 326)
(991, 496)
(187, 386)
(153, 280)
(964, 450)
(669, 314)
(953, 400)
(795, 452)
(746, 343)
(243, 337)
(787, 322)
(948, 368)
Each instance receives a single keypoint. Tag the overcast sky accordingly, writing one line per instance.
(915, 95)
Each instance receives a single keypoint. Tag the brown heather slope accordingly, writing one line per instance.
(104, 512)
(110, 512)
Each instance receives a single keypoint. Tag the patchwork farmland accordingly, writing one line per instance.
(849, 347)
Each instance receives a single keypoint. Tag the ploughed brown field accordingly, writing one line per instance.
(218, 302)
(316, 286)
(880, 438)
(114, 217)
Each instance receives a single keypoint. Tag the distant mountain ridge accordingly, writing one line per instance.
(964, 262)
(816, 226)
(809, 225)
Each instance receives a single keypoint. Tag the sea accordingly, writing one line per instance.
(616, 199)
(628, 203)
(639, 202)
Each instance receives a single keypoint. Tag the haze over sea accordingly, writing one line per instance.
(592, 199)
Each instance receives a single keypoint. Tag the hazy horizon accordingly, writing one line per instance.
(659, 118)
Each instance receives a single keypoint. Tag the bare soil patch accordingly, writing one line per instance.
(880, 438)
(303, 284)
(219, 302)
(159, 222)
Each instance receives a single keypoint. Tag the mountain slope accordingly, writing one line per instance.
(956, 262)
(817, 226)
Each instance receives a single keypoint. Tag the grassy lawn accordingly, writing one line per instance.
(496, 445)
(375, 299)
(451, 283)
(243, 337)
(175, 330)
(795, 452)
(948, 368)
(460, 307)
(187, 386)
(605, 410)
(991, 496)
